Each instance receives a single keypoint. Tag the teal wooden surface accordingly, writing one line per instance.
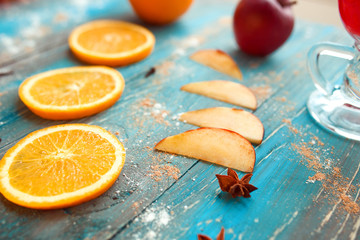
(33, 39)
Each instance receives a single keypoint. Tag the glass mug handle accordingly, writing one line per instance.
(328, 49)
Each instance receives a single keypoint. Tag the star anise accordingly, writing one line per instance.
(236, 187)
(221, 236)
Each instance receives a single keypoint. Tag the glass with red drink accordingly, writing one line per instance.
(337, 107)
(350, 16)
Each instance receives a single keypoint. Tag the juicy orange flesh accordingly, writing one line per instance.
(63, 161)
(71, 89)
(111, 39)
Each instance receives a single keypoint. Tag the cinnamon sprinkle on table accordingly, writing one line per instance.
(318, 177)
(60, 17)
(287, 121)
(349, 205)
(281, 99)
(159, 171)
(147, 102)
(151, 110)
(308, 155)
(316, 139)
(262, 92)
(165, 67)
(336, 188)
(291, 127)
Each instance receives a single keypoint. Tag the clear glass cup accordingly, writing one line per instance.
(337, 107)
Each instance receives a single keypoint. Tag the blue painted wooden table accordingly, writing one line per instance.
(308, 179)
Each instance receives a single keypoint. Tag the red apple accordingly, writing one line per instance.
(262, 26)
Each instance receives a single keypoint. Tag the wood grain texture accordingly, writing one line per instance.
(286, 206)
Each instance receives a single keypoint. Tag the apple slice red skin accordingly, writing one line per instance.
(247, 166)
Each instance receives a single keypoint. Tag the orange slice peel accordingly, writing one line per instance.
(111, 43)
(72, 93)
(61, 166)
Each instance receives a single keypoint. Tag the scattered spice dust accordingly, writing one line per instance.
(291, 127)
(262, 92)
(159, 117)
(147, 102)
(281, 99)
(349, 205)
(157, 172)
(308, 154)
(287, 121)
(276, 76)
(150, 110)
(316, 139)
(136, 206)
(317, 156)
(161, 166)
(165, 67)
(268, 78)
(335, 185)
(318, 177)
(60, 17)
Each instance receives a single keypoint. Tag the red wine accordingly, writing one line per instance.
(350, 15)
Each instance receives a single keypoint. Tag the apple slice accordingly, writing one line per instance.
(219, 61)
(237, 120)
(225, 91)
(215, 145)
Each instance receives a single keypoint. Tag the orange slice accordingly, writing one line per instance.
(61, 166)
(112, 43)
(72, 93)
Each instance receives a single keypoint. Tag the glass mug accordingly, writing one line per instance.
(337, 107)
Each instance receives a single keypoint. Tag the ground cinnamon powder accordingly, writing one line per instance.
(159, 117)
(147, 102)
(335, 186)
(318, 177)
(151, 108)
(349, 205)
(308, 154)
(161, 167)
(262, 92)
(159, 171)
(291, 127)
